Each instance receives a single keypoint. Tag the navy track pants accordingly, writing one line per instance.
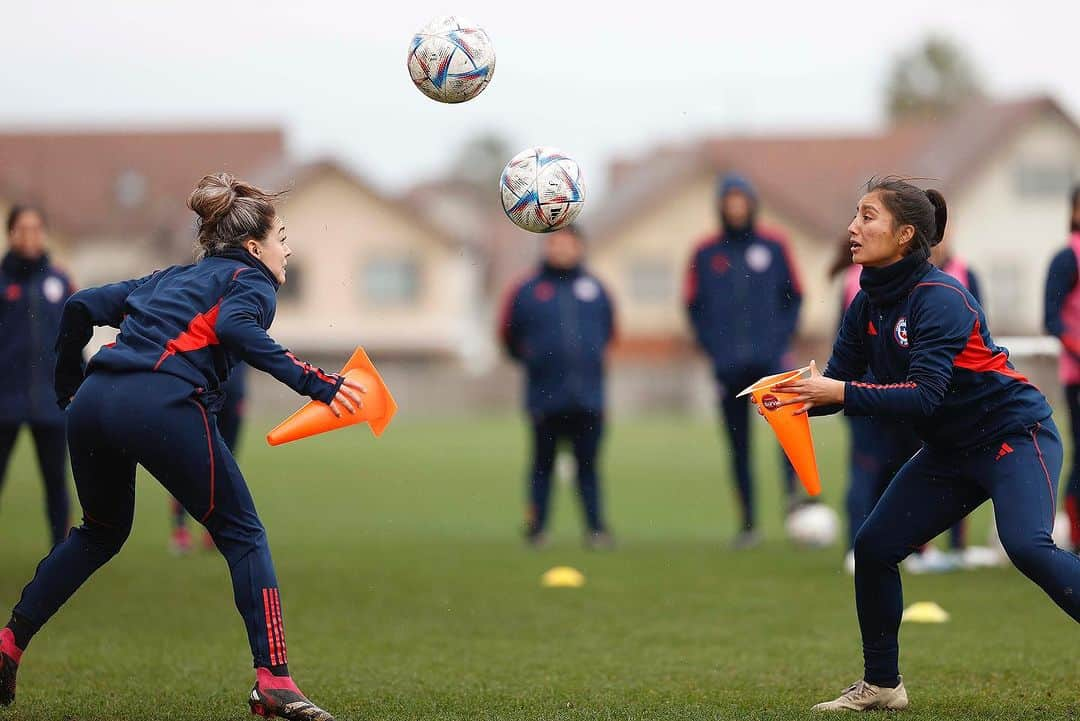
(51, 447)
(584, 430)
(931, 492)
(737, 424)
(118, 421)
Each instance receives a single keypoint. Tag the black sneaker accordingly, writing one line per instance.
(285, 703)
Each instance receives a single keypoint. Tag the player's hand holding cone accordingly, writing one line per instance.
(362, 397)
(791, 426)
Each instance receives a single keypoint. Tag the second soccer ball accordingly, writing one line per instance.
(542, 190)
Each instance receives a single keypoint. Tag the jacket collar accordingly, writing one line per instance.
(887, 285)
(248, 259)
(21, 268)
(550, 271)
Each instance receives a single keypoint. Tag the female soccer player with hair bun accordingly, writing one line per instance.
(150, 399)
(987, 432)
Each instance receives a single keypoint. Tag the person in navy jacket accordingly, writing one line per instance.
(880, 446)
(32, 296)
(1062, 320)
(150, 399)
(743, 296)
(988, 433)
(557, 324)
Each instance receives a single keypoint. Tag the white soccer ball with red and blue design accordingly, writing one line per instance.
(451, 60)
(542, 190)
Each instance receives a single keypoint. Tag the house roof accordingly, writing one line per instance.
(815, 180)
(124, 182)
(293, 177)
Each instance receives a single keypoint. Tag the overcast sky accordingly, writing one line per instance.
(596, 79)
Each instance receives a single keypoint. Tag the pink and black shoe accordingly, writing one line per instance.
(10, 654)
(276, 696)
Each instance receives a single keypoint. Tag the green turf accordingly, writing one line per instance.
(409, 596)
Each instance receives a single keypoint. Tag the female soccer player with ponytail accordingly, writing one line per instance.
(988, 432)
(150, 399)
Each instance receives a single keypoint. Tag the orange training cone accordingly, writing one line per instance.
(377, 409)
(793, 431)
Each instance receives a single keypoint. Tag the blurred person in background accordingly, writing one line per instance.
(34, 292)
(150, 399)
(881, 446)
(743, 296)
(229, 419)
(1062, 320)
(557, 324)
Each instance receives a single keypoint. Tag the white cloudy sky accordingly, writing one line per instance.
(594, 78)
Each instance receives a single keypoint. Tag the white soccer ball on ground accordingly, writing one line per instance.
(814, 525)
(542, 190)
(451, 60)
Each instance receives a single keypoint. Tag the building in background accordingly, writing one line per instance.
(417, 278)
(113, 196)
(1004, 167)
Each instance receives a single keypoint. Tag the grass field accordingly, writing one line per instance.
(408, 595)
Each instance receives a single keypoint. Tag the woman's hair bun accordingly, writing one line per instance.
(213, 197)
(941, 215)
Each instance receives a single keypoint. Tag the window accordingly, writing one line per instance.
(1042, 179)
(389, 281)
(651, 281)
(130, 188)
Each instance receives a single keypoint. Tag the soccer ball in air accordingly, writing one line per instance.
(542, 190)
(451, 60)
(814, 525)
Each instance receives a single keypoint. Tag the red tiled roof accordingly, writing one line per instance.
(124, 182)
(815, 180)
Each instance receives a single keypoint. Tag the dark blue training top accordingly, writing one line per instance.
(558, 323)
(924, 339)
(192, 321)
(32, 295)
(743, 299)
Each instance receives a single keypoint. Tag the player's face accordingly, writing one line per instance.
(563, 249)
(27, 237)
(875, 241)
(735, 209)
(274, 252)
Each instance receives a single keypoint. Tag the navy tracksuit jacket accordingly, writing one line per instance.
(558, 324)
(149, 400)
(32, 296)
(987, 431)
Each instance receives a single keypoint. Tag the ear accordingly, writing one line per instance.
(907, 232)
(252, 246)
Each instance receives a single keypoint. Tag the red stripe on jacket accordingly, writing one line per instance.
(976, 356)
(200, 334)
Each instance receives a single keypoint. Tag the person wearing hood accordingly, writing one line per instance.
(32, 296)
(558, 324)
(987, 432)
(743, 296)
(1062, 320)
